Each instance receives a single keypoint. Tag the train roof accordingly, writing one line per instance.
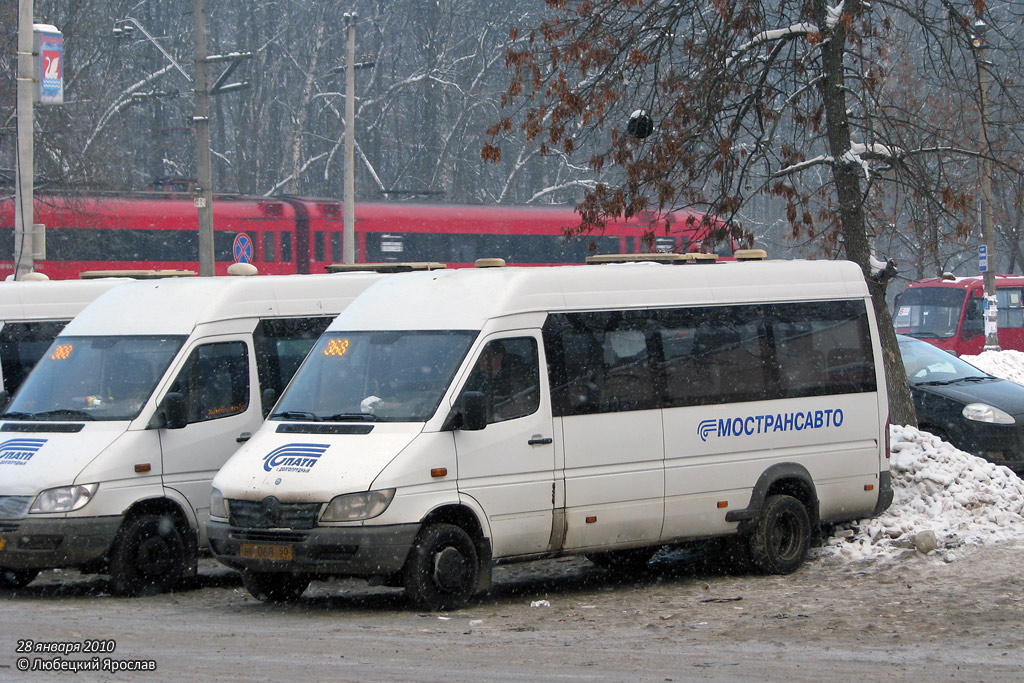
(468, 298)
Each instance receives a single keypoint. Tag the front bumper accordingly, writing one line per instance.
(56, 543)
(325, 551)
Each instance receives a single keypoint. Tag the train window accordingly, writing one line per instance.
(286, 246)
(336, 247)
(318, 246)
(269, 253)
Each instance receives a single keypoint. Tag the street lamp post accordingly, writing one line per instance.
(24, 181)
(987, 232)
(349, 205)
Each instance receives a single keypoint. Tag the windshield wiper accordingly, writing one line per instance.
(65, 412)
(17, 416)
(925, 335)
(296, 415)
(972, 378)
(346, 417)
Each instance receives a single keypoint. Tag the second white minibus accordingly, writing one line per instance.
(108, 448)
(452, 420)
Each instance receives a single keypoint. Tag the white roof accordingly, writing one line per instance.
(177, 305)
(467, 298)
(25, 300)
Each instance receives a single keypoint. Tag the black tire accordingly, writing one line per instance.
(16, 578)
(148, 556)
(274, 586)
(441, 571)
(633, 559)
(781, 537)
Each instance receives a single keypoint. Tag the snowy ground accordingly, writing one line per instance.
(944, 499)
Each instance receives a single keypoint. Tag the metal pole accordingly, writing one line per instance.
(987, 232)
(349, 234)
(204, 193)
(25, 181)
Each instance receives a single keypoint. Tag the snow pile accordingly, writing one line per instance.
(1006, 364)
(962, 499)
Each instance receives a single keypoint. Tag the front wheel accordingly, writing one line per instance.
(16, 578)
(441, 571)
(782, 536)
(274, 586)
(148, 556)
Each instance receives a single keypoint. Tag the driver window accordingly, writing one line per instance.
(215, 381)
(506, 373)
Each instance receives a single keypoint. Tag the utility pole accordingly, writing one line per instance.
(349, 206)
(987, 232)
(25, 181)
(204, 193)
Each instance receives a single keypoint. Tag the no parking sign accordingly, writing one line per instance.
(242, 248)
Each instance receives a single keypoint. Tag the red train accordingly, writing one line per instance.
(158, 230)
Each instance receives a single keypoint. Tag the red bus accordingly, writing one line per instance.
(159, 230)
(948, 312)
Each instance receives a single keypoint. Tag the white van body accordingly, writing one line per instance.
(108, 449)
(32, 313)
(681, 420)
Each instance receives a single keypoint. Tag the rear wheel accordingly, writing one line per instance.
(17, 578)
(442, 568)
(274, 586)
(781, 537)
(148, 556)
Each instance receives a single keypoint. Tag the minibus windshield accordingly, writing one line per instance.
(929, 312)
(375, 376)
(94, 378)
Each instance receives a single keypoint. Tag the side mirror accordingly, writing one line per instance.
(268, 398)
(172, 413)
(473, 410)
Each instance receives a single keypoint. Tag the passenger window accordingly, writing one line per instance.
(269, 253)
(286, 247)
(215, 381)
(507, 374)
(281, 344)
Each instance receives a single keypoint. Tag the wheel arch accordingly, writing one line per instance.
(791, 479)
(182, 521)
(465, 518)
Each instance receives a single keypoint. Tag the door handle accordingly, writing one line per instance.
(540, 441)
(243, 437)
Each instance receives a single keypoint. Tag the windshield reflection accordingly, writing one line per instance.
(928, 364)
(94, 378)
(375, 376)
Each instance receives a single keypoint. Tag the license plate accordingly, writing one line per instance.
(264, 551)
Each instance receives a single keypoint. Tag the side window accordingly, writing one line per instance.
(318, 246)
(269, 253)
(281, 344)
(1011, 308)
(215, 381)
(286, 247)
(974, 320)
(21, 346)
(507, 374)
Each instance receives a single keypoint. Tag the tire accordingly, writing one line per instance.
(16, 578)
(441, 571)
(274, 586)
(148, 556)
(633, 559)
(781, 537)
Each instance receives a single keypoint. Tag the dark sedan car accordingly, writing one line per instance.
(965, 406)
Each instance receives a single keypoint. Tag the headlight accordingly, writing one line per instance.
(983, 412)
(64, 498)
(218, 506)
(353, 507)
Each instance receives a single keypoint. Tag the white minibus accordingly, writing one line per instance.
(108, 448)
(32, 313)
(449, 421)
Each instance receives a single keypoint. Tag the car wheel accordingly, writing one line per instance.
(274, 586)
(441, 570)
(781, 536)
(16, 578)
(148, 556)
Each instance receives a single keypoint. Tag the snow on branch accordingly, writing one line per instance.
(772, 36)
